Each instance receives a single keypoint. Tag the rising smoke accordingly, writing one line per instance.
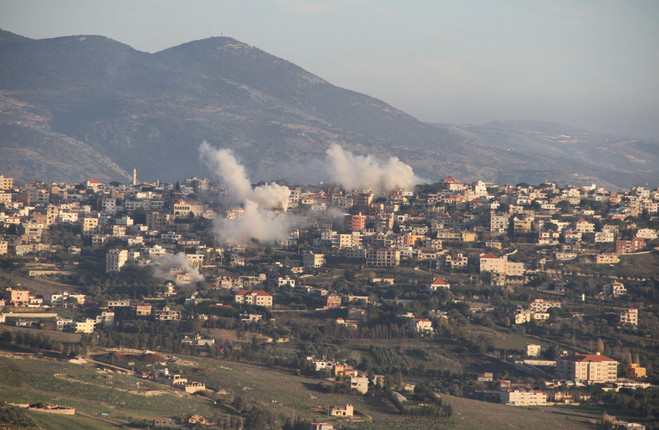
(261, 224)
(256, 225)
(164, 265)
(225, 166)
(358, 172)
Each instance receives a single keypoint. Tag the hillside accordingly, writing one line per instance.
(77, 107)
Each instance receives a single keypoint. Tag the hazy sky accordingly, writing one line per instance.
(592, 64)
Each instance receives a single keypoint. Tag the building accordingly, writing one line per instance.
(422, 325)
(614, 289)
(607, 258)
(437, 284)
(18, 297)
(352, 223)
(383, 257)
(541, 305)
(635, 371)
(255, 298)
(115, 259)
(532, 350)
(340, 411)
(590, 368)
(322, 426)
(167, 314)
(630, 316)
(311, 259)
(332, 301)
(629, 246)
(523, 397)
(359, 383)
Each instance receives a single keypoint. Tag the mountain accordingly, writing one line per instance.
(553, 140)
(78, 107)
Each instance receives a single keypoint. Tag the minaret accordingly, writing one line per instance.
(134, 177)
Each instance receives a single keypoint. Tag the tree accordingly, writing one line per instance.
(600, 345)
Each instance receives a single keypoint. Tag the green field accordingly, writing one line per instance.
(24, 379)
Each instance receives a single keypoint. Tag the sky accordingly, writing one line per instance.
(593, 64)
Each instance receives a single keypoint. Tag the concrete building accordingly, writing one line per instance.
(115, 259)
(523, 398)
(630, 316)
(591, 368)
(256, 298)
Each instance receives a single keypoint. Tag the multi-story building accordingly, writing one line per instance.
(353, 223)
(383, 257)
(6, 183)
(607, 258)
(115, 259)
(630, 316)
(254, 297)
(590, 368)
(167, 314)
(614, 289)
(542, 305)
(629, 246)
(523, 397)
(89, 226)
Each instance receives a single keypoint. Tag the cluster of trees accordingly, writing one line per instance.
(40, 341)
(428, 403)
(13, 417)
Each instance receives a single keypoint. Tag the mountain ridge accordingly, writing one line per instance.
(151, 111)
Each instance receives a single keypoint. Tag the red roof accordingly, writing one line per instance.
(585, 358)
(489, 255)
(439, 282)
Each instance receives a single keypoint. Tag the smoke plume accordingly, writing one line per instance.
(256, 224)
(165, 264)
(357, 172)
(224, 165)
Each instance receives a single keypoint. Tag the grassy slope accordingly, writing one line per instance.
(91, 392)
(297, 395)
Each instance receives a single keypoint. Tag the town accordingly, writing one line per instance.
(540, 296)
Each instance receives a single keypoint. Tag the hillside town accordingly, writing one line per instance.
(525, 295)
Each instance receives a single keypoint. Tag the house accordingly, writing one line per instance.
(321, 426)
(635, 371)
(437, 284)
(607, 258)
(167, 314)
(332, 301)
(196, 419)
(287, 280)
(422, 325)
(341, 411)
(614, 289)
(311, 259)
(359, 383)
(532, 350)
(255, 298)
(541, 305)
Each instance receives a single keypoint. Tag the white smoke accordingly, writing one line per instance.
(358, 172)
(164, 265)
(224, 165)
(256, 224)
